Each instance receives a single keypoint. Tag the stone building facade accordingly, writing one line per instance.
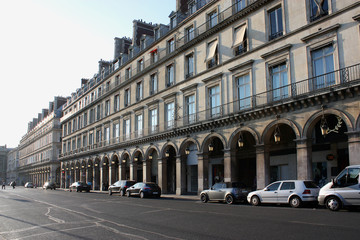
(40, 147)
(243, 90)
(3, 162)
(12, 165)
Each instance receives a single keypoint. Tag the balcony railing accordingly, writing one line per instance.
(321, 84)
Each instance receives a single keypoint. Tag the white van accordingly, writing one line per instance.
(343, 191)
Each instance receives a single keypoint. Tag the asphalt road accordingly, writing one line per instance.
(48, 214)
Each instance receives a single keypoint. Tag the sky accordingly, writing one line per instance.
(47, 46)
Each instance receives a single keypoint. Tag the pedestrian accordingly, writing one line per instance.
(3, 185)
(13, 184)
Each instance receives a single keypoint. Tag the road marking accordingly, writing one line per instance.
(53, 218)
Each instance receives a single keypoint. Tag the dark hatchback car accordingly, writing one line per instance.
(79, 187)
(144, 190)
(120, 187)
(228, 192)
(49, 185)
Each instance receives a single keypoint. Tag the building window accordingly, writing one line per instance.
(243, 91)
(139, 125)
(69, 128)
(107, 86)
(116, 103)
(212, 19)
(240, 40)
(154, 56)
(139, 91)
(107, 107)
(98, 112)
(142, 44)
(190, 109)
(173, 22)
(323, 67)
(239, 5)
(128, 73)
(127, 97)
(153, 84)
(69, 146)
(153, 120)
(99, 92)
(98, 136)
(279, 81)
(126, 129)
(157, 33)
(190, 33)
(91, 139)
(85, 119)
(140, 65)
(192, 7)
(78, 143)
(189, 68)
(212, 54)
(214, 101)
(170, 75)
(276, 24)
(170, 115)
(117, 79)
(65, 130)
(85, 143)
(171, 45)
(107, 135)
(116, 131)
(319, 8)
(73, 144)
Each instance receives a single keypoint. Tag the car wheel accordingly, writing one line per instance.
(77, 190)
(204, 198)
(128, 193)
(110, 192)
(229, 199)
(333, 203)
(255, 201)
(122, 192)
(142, 195)
(295, 202)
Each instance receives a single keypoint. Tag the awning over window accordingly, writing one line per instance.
(153, 51)
(211, 51)
(239, 35)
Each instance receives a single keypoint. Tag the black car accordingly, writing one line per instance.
(79, 187)
(49, 185)
(120, 186)
(144, 190)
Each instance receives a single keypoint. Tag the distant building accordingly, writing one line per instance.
(230, 90)
(3, 162)
(12, 166)
(39, 148)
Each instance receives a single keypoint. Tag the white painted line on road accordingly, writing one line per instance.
(53, 218)
(307, 223)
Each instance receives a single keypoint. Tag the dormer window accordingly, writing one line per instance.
(173, 22)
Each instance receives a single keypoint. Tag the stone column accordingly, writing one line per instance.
(101, 176)
(354, 147)
(203, 172)
(133, 171)
(94, 177)
(180, 177)
(147, 171)
(162, 175)
(228, 173)
(262, 166)
(122, 170)
(304, 159)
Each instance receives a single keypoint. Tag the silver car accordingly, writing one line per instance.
(293, 192)
(343, 191)
(228, 192)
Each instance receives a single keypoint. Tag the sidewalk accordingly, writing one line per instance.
(168, 196)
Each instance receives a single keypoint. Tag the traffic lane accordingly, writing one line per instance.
(190, 219)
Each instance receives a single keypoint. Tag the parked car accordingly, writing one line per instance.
(29, 185)
(228, 192)
(293, 192)
(343, 191)
(49, 185)
(120, 186)
(144, 190)
(79, 187)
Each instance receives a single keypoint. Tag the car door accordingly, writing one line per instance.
(270, 193)
(348, 186)
(286, 189)
(216, 192)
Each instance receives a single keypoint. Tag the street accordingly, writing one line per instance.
(48, 214)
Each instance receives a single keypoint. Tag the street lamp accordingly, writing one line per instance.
(241, 141)
(187, 151)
